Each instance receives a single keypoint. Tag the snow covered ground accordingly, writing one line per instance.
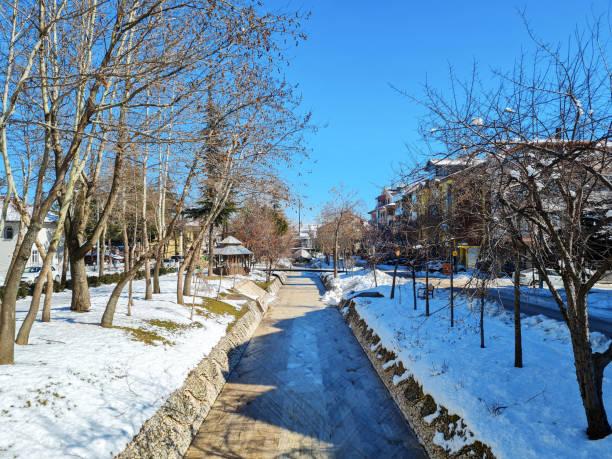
(80, 390)
(535, 411)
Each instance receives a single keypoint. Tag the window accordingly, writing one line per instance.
(34, 257)
(8, 232)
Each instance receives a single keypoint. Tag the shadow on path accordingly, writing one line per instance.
(304, 387)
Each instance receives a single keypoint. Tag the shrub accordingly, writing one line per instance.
(26, 289)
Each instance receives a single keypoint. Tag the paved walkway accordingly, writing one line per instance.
(304, 388)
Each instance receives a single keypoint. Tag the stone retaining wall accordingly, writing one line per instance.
(170, 431)
(426, 417)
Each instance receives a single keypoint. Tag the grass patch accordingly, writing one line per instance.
(217, 307)
(143, 335)
(264, 285)
(216, 277)
(228, 294)
(173, 327)
(212, 306)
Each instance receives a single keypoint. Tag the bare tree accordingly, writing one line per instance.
(339, 212)
(545, 133)
(265, 231)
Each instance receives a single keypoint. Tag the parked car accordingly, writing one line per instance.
(178, 259)
(532, 277)
(31, 273)
(169, 263)
(434, 265)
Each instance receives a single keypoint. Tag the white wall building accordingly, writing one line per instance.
(8, 240)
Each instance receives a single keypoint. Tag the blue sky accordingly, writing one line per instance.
(356, 49)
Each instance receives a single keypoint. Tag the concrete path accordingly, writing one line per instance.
(304, 388)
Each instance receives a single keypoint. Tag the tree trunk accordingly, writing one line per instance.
(46, 312)
(336, 260)
(148, 286)
(102, 252)
(427, 284)
(589, 372)
(210, 251)
(65, 261)
(145, 248)
(179, 279)
(518, 346)
(23, 335)
(191, 267)
(126, 245)
(374, 271)
(132, 264)
(80, 301)
(109, 312)
(158, 262)
(131, 290)
(452, 292)
(482, 307)
(414, 296)
(394, 276)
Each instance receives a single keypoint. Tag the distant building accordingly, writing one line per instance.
(8, 241)
(384, 212)
(306, 237)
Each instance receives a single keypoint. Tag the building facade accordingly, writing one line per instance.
(10, 234)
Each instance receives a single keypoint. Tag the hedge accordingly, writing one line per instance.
(26, 289)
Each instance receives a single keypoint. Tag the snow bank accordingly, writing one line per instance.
(81, 390)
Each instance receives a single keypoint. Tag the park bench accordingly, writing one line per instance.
(422, 291)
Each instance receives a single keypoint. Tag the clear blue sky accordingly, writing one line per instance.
(355, 49)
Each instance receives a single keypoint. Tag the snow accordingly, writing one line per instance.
(453, 445)
(535, 411)
(431, 417)
(82, 390)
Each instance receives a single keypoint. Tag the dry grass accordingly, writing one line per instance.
(210, 307)
(264, 285)
(143, 335)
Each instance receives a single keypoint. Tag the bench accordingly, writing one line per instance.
(422, 291)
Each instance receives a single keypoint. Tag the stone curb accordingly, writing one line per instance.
(170, 431)
(426, 417)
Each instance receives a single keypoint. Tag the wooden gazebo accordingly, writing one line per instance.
(231, 257)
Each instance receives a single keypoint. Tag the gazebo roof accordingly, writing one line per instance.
(230, 240)
(231, 250)
(231, 246)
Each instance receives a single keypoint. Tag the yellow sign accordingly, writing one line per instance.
(454, 253)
